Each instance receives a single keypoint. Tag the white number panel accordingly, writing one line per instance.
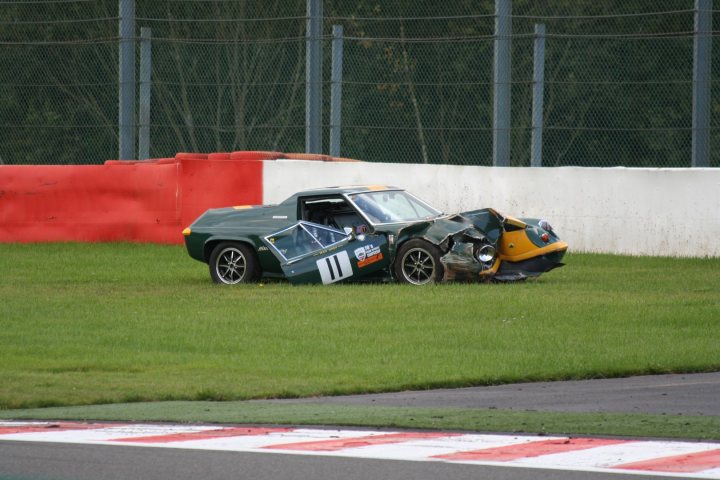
(335, 267)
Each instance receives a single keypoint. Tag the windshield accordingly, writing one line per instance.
(393, 207)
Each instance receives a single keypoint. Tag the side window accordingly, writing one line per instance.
(303, 238)
(324, 236)
(333, 212)
(293, 242)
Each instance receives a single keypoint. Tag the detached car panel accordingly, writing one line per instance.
(343, 234)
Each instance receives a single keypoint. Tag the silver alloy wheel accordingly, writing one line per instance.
(231, 265)
(418, 266)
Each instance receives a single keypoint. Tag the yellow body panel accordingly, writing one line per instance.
(515, 244)
(553, 247)
(514, 221)
(516, 247)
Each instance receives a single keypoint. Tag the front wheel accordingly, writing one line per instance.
(418, 263)
(231, 263)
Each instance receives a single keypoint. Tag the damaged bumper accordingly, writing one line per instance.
(532, 267)
(461, 263)
(471, 256)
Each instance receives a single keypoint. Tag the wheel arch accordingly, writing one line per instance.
(211, 243)
(443, 246)
(242, 255)
(428, 246)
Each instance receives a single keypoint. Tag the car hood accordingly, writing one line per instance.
(484, 224)
(229, 216)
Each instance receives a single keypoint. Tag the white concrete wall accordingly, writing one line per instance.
(668, 212)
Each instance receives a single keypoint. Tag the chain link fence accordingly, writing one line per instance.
(417, 80)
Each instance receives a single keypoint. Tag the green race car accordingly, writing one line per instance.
(378, 233)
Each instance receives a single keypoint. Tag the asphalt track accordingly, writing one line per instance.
(690, 394)
(38, 461)
(686, 394)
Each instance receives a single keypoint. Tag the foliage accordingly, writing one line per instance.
(417, 80)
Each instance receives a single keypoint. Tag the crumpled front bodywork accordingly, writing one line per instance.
(460, 263)
(458, 237)
(483, 224)
(519, 250)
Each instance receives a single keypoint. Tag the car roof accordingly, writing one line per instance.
(345, 190)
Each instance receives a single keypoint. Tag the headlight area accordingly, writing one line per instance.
(485, 253)
(477, 246)
(541, 233)
(468, 256)
(545, 225)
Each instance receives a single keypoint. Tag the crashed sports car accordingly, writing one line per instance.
(372, 233)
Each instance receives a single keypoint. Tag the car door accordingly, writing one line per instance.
(313, 253)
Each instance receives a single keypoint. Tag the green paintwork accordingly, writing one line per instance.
(354, 258)
(250, 224)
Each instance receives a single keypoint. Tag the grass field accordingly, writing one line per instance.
(90, 324)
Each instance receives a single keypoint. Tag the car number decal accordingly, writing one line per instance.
(334, 268)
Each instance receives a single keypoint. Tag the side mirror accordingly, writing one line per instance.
(352, 236)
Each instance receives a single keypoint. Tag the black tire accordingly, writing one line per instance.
(232, 263)
(418, 263)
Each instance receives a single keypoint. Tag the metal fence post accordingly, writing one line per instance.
(126, 91)
(701, 84)
(538, 91)
(336, 90)
(313, 77)
(145, 78)
(501, 97)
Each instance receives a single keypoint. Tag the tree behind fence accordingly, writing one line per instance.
(417, 80)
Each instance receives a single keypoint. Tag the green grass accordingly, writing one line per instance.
(89, 324)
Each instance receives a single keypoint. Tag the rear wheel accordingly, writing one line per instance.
(418, 263)
(232, 262)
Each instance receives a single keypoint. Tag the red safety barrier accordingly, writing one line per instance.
(318, 157)
(343, 159)
(191, 156)
(128, 200)
(310, 156)
(149, 161)
(148, 201)
(256, 155)
(89, 203)
(218, 183)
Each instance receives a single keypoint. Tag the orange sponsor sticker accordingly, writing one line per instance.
(370, 260)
